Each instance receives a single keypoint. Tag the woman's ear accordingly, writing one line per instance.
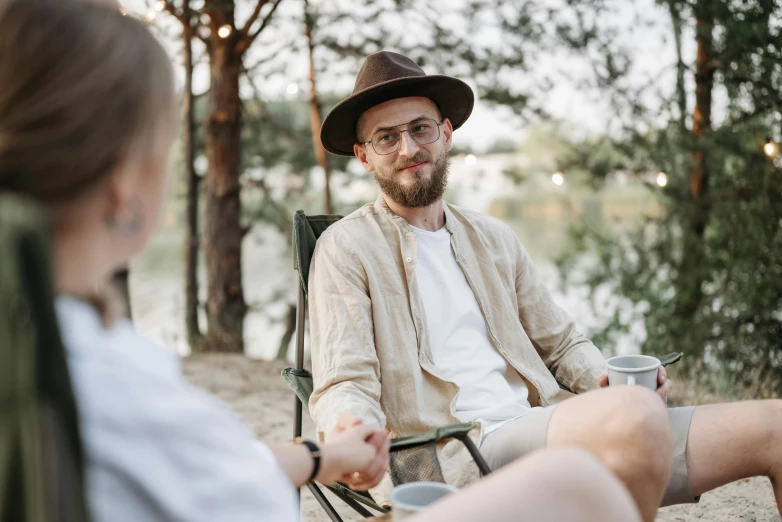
(122, 204)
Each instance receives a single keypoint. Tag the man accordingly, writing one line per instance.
(424, 314)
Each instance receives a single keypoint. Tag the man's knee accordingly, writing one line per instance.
(639, 436)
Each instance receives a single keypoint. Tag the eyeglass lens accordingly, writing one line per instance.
(423, 131)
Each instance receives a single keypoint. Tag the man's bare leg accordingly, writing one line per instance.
(553, 484)
(628, 429)
(728, 442)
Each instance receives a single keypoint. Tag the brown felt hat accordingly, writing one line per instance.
(386, 76)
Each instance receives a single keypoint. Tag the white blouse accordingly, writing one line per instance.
(156, 447)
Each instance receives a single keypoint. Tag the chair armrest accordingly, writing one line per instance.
(456, 431)
(671, 358)
(300, 382)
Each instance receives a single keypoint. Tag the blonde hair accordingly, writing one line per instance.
(81, 88)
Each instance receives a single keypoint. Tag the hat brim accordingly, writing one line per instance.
(453, 97)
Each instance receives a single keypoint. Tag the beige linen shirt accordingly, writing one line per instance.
(370, 344)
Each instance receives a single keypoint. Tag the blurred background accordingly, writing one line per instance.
(632, 145)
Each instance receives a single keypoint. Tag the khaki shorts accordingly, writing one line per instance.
(528, 433)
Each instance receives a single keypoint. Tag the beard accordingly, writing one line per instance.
(421, 192)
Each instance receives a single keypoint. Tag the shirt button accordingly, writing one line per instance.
(409, 259)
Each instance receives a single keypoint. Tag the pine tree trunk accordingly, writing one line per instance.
(223, 239)
(689, 278)
(191, 243)
(681, 67)
(315, 119)
(704, 85)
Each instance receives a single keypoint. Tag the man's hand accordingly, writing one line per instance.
(361, 462)
(663, 384)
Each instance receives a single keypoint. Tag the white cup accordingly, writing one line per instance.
(634, 370)
(413, 497)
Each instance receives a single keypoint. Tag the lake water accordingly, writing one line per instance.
(157, 278)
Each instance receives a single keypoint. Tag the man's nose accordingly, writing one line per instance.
(407, 145)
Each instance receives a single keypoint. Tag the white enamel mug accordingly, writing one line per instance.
(633, 370)
(413, 497)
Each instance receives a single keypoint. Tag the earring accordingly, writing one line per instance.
(126, 228)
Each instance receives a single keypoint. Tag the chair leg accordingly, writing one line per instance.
(476, 455)
(297, 419)
(324, 502)
(361, 510)
(300, 307)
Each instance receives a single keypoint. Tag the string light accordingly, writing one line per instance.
(771, 149)
(224, 31)
(558, 178)
(470, 159)
(293, 88)
(151, 14)
(662, 179)
(160, 5)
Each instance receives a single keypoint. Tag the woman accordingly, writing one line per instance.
(87, 118)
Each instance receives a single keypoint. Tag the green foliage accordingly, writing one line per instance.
(502, 146)
(501, 46)
(731, 271)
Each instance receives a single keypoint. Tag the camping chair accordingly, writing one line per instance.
(41, 463)
(413, 458)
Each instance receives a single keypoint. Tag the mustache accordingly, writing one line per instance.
(419, 157)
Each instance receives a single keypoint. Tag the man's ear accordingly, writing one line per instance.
(448, 132)
(360, 151)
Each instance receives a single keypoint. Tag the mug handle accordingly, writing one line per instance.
(631, 380)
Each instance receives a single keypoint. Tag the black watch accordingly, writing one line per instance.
(315, 452)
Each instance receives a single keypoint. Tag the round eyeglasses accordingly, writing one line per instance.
(423, 130)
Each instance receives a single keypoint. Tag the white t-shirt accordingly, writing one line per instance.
(490, 390)
(156, 447)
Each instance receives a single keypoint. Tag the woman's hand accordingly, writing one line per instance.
(356, 455)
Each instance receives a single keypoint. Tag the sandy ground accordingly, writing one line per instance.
(255, 390)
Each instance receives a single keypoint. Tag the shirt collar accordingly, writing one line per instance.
(451, 225)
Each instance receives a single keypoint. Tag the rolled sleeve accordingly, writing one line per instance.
(345, 367)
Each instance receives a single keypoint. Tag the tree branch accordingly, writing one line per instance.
(251, 37)
(171, 9)
(251, 69)
(253, 17)
(285, 223)
(182, 19)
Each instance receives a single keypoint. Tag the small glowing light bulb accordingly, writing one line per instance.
(224, 31)
(470, 159)
(558, 178)
(662, 179)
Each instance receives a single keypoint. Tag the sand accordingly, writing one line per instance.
(255, 390)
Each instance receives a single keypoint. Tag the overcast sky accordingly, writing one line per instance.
(651, 44)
